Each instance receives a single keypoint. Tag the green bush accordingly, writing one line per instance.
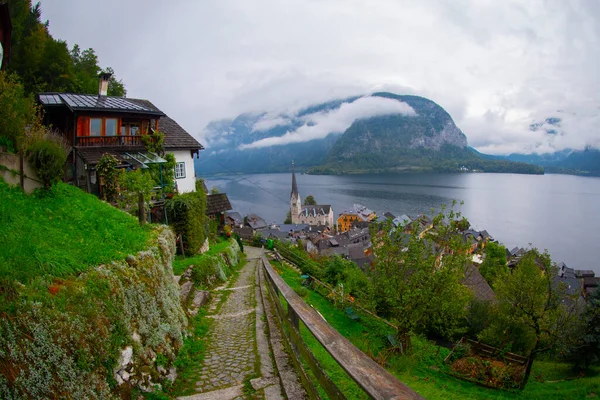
(187, 213)
(301, 291)
(48, 157)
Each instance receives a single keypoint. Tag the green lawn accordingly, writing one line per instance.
(61, 233)
(421, 370)
(181, 263)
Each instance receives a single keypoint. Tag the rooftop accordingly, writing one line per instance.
(88, 102)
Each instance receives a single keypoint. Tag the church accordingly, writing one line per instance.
(305, 214)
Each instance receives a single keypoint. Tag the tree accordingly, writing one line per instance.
(418, 281)
(109, 177)
(494, 263)
(584, 351)
(136, 192)
(310, 200)
(288, 218)
(214, 190)
(530, 316)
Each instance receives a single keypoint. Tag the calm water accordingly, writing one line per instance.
(560, 213)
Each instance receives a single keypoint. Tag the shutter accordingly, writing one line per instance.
(83, 126)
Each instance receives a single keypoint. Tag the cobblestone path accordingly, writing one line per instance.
(231, 355)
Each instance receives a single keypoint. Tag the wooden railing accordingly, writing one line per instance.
(370, 376)
(109, 141)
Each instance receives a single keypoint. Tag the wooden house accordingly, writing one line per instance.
(97, 124)
(217, 206)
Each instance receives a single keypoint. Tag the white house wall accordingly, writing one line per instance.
(187, 184)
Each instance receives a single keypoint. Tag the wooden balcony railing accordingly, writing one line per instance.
(109, 141)
(370, 376)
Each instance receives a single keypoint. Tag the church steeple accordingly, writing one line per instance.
(294, 185)
(294, 199)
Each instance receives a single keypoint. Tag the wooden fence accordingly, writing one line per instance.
(370, 376)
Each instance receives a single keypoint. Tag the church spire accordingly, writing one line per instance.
(294, 185)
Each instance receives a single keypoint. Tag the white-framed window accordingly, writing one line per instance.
(180, 170)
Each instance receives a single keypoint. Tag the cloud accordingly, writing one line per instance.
(496, 66)
(321, 124)
(268, 122)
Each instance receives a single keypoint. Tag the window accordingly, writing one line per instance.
(180, 170)
(134, 129)
(123, 129)
(95, 126)
(111, 127)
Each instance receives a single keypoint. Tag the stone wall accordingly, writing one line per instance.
(111, 331)
(10, 172)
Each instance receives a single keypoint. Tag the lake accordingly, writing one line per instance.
(560, 213)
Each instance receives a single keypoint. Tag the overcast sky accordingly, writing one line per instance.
(495, 66)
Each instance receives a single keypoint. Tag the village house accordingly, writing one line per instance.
(97, 124)
(308, 214)
(349, 218)
(234, 219)
(255, 222)
(217, 205)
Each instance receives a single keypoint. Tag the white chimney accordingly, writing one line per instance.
(103, 85)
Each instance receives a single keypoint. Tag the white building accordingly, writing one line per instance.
(312, 215)
(184, 147)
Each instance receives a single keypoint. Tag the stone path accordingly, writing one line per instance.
(238, 349)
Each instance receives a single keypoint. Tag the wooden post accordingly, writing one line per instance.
(142, 209)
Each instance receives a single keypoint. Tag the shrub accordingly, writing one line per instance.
(48, 157)
(109, 176)
(186, 213)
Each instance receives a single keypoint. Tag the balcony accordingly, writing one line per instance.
(112, 141)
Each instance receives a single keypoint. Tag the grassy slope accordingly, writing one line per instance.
(61, 233)
(420, 371)
(181, 263)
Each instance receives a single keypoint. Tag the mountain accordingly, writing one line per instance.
(568, 161)
(375, 133)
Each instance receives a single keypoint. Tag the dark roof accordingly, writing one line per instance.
(236, 217)
(256, 222)
(91, 155)
(176, 137)
(478, 285)
(88, 102)
(244, 233)
(582, 273)
(389, 215)
(315, 210)
(292, 227)
(590, 281)
(217, 203)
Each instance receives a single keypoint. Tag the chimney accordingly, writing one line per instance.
(103, 85)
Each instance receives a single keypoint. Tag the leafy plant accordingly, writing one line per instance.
(108, 176)
(48, 157)
(187, 215)
(134, 184)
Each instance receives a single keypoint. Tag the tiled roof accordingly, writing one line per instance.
(477, 283)
(91, 155)
(217, 203)
(176, 138)
(315, 210)
(88, 102)
(256, 222)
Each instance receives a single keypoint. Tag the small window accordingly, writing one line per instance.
(180, 170)
(95, 126)
(123, 129)
(111, 127)
(134, 129)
